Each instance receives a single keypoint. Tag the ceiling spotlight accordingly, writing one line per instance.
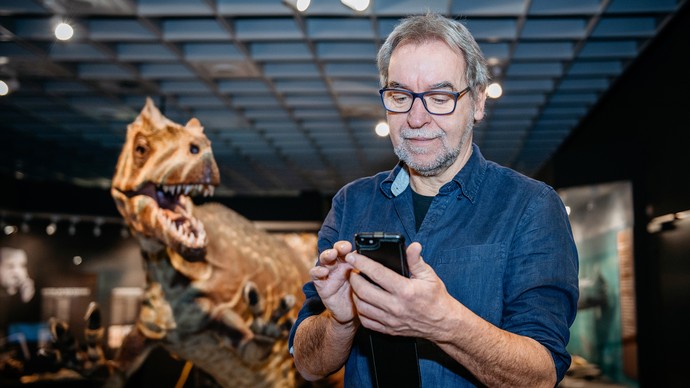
(494, 90)
(382, 129)
(64, 31)
(4, 88)
(357, 5)
(300, 5)
(51, 229)
(9, 229)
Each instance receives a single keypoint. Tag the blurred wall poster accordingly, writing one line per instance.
(604, 334)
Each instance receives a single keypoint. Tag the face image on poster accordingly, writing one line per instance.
(18, 296)
(14, 275)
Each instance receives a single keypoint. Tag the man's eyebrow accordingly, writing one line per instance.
(440, 85)
(443, 85)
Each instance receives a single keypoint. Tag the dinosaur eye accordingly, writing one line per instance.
(194, 149)
(141, 150)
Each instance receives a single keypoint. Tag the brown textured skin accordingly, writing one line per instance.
(197, 302)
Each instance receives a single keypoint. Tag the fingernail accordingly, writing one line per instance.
(350, 258)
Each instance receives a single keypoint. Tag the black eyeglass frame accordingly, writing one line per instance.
(421, 95)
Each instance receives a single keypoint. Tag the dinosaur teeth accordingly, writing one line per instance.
(188, 231)
(188, 190)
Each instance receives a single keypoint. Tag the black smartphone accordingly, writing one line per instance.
(394, 360)
(386, 248)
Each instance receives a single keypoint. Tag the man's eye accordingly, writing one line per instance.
(440, 98)
(400, 97)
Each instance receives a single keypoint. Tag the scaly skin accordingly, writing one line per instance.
(220, 292)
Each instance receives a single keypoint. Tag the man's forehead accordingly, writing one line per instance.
(10, 254)
(444, 75)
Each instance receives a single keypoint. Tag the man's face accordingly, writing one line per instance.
(13, 270)
(430, 144)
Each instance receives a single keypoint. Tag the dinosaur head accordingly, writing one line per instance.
(161, 166)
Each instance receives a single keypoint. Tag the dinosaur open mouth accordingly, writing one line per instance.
(174, 204)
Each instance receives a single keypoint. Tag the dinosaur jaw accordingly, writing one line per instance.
(165, 213)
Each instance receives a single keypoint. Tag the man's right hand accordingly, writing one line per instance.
(331, 279)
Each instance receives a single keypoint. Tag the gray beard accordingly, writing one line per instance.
(442, 160)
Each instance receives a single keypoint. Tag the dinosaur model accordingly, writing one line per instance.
(220, 293)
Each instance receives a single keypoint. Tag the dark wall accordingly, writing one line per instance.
(66, 198)
(640, 131)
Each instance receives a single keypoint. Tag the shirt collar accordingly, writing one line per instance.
(469, 179)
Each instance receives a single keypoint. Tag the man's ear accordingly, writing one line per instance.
(479, 106)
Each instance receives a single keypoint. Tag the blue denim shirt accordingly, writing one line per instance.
(501, 243)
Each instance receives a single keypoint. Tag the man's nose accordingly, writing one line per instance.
(418, 115)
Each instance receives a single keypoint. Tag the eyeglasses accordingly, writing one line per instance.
(436, 102)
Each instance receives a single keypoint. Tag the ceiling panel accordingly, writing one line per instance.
(290, 99)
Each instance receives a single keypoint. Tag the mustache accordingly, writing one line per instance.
(408, 133)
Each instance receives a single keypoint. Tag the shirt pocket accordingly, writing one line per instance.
(474, 276)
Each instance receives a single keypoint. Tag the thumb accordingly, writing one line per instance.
(415, 263)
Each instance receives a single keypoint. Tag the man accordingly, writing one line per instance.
(494, 295)
(14, 275)
(17, 291)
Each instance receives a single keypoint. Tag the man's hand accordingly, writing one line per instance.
(331, 279)
(27, 289)
(411, 307)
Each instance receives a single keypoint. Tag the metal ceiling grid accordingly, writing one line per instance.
(290, 99)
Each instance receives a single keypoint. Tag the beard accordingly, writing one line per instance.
(444, 159)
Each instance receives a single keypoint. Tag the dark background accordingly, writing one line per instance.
(640, 131)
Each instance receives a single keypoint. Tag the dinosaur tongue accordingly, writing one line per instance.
(167, 200)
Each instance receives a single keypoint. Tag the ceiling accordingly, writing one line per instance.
(289, 99)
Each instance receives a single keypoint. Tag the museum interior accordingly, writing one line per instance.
(588, 96)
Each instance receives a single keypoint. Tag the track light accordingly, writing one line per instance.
(64, 31)
(494, 90)
(299, 5)
(357, 5)
(382, 129)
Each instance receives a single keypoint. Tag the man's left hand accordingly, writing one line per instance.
(413, 307)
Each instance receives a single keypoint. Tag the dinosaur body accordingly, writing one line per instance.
(220, 293)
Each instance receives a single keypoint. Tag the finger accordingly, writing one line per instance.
(366, 310)
(369, 293)
(377, 272)
(342, 247)
(415, 263)
(328, 257)
(318, 272)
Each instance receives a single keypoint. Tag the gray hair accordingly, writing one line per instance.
(431, 26)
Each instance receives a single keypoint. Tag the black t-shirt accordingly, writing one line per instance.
(421, 204)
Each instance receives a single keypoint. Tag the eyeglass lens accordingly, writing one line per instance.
(436, 102)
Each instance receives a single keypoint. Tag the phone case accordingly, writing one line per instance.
(386, 248)
(394, 360)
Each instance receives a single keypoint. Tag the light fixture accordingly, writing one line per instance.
(64, 31)
(97, 227)
(72, 230)
(494, 90)
(4, 88)
(9, 229)
(299, 5)
(25, 228)
(357, 5)
(382, 129)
